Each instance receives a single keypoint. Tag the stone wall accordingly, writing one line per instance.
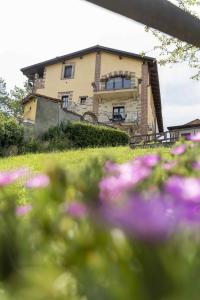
(106, 110)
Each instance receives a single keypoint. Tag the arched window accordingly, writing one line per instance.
(118, 83)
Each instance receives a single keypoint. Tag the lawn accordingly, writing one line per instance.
(73, 161)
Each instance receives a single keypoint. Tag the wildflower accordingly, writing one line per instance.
(196, 165)
(169, 165)
(8, 177)
(124, 177)
(149, 160)
(39, 181)
(23, 210)
(146, 220)
(179, 150)
(77, 210)
(195, 138)
(184, 189)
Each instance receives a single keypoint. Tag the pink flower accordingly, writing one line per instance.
(196, 165)
(39, 181)
(195, 138)
(184, 189)
(23, 210)
(179, 150)
(169, 165)
(8, 177)
(146, 220)
(77, 210)
(123, 178)
(149, 160)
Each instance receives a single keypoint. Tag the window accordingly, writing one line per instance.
(118, 83)
(83, 100)
(118, 113)
(68, 72)
(65, 101)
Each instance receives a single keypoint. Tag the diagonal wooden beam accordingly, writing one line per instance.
(158, 14)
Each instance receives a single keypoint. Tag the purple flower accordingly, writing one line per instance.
(146, 220)
(169, 165)
(8, 177)
(77, 210)
(196, 165)
(39, 181)
(149, 160)
(183, 189)
(179, 150)
(23, 210)
(195, 138)
(123, 178)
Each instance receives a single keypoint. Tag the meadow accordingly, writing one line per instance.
(76, 159)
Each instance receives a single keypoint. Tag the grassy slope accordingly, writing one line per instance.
(71, 160)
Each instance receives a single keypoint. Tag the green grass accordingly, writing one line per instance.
(70, 160)
(74, 160)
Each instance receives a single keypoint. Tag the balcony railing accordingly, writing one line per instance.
(104, 88)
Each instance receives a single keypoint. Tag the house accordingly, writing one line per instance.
(101, 84)
(185, 130)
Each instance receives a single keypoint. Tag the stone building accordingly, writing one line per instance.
(104, 85)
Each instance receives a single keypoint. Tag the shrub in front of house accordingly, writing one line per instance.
(11, 135)
(82, 135)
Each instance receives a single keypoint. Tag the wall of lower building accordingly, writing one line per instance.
(48, 114)
(186, 131)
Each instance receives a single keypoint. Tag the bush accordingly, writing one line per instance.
(83, 135)
(11, 134)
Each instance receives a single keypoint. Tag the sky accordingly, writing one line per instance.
(33, 31)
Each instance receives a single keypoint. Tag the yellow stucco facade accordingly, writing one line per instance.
(80, 84)
(90, 72)
(112, 63)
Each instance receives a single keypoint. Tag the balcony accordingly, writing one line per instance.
(116, 90)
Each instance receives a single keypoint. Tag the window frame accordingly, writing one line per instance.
(122, 116)
(81, 97)
(72, 71)
(65, 96)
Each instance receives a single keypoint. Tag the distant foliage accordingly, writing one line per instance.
(172, 50)
(11, 134)
(83, 135)
(11, 102)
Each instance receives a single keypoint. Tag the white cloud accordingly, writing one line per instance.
(34, 31)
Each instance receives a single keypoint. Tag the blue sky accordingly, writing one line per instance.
(33, 31)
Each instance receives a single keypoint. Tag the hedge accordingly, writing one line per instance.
(83, 135)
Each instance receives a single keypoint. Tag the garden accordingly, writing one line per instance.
(101, 223)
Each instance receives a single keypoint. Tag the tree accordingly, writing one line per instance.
(11, 103)
(4, 97)
(172, 50)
